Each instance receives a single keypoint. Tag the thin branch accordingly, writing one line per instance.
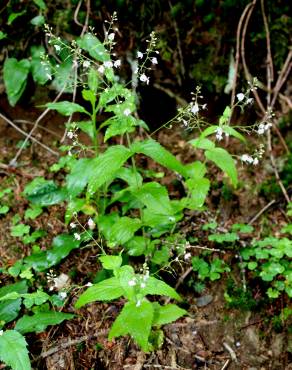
(261, 212)
(26, 135)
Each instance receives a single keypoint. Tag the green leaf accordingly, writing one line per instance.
(167, 314)
(13, 16)
(155, 197)
(94, 47)
(130, 176)
(226, 115)
(19, 230)
(40, 321)
(2, 35)
(39, 20)
(232, 132)
(33, 212)
(66, 108)
(106, 165)
(123, 230)
(159, 287)
(34, 236)
(64, 77)
(203, 143)
(242, 228)
(196, 170)
(41, 4)
(252, 265)
(13, 350)
(43, 192)
(119, 126)
(136, 321)
(4, 210)
(223, 238)
(224, 161)
(199, 190)
(37, 298)
(111, 262)
(105, 290)
(15, 77)
(40, 69)
(79, 176)
(154, 150)
(9, 309)
(62, 245)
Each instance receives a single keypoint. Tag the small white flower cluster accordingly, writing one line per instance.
(263, 128)
(249, 159)
(148, 57)
(219, 133)
(243, 98)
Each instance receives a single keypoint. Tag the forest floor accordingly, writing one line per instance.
(213, 336)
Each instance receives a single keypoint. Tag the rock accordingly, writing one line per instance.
(204, 300)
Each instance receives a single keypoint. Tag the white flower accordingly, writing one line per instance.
(240, 96)
(49, 76)
(100, 69)
(195, 108)
(70, 134)
(132, 282)
(255, 161)
(62, 295)
(144, 78)
(138, 304)
(77, 236)
(88, 284)
(57, 47)
(111, 36)
(108, 64)
(249, 101)
(127, 112)
(86, 64)
(187, 256)
(73, 225)
(1, 332)
(246, 158)
(154, 60)
(261, 129)
(139, 55)
(117, 63)
(268, 125)
(219, 133)
(143, 285)
(91, 224)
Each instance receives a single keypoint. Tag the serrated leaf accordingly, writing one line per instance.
(94, 47)
(79, 176)
(40, 321)
(159, 287)
(136, 321)
(43, 192)
(119, 126)
(66, 108)
(10, 309)
(13, 350)
(105, 290)
(199, 190)
(106, 165)
(62, 245)
(155, 197)
(232, 132)
(224, 161)
(202, 143)
(15, 77)
(123, 230)
(111, 262)
(154, 150)
(167, 314)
